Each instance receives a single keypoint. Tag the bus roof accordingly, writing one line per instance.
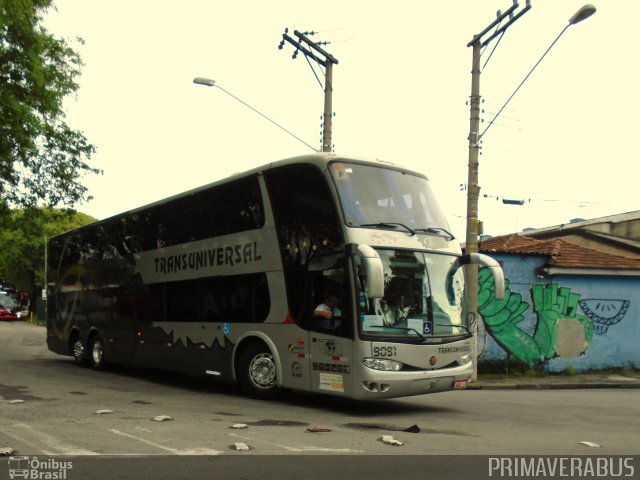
(320, 159)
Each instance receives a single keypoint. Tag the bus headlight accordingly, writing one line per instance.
(382, 364)
(464, 360)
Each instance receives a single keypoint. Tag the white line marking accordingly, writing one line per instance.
(52, 442)
(298, 449)
(175, 451)
(144, 429)
(21, 439)
(321, 449)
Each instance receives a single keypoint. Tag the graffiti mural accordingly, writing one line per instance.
(559, 331)
(604, 313)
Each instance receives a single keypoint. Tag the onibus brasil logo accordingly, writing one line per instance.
(32, 468)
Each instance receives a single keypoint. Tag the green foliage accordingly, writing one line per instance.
(22, 243)
(511, 367)
(42, 159)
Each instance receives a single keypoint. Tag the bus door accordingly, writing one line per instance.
(330, 325)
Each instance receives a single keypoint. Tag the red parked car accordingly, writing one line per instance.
(8, 314)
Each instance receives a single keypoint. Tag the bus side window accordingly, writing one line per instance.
(209, 213)
(236, 298)
(330, 310)
(307, 226)
(305, 213)
(182, 301)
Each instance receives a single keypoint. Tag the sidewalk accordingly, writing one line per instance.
(626, 379)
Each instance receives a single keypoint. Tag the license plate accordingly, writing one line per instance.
(460, 384)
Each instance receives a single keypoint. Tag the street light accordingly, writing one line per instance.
(207, 82)
(585, 12)
(582, 14)
(473, 187)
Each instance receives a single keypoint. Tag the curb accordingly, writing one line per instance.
(553, 386)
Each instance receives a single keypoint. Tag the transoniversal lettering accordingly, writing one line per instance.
(455, 349)
(228, 255)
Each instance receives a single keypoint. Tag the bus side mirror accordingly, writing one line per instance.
(374, 271)
(477, 259)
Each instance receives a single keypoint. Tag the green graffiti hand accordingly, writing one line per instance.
(486, 288)
(498, 313)
(560, 330)
(502, 316)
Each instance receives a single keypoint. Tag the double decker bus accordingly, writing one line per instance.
(318, 273)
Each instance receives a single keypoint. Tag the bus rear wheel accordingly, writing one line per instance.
(257, 372)
(78, 351)
(96, 353)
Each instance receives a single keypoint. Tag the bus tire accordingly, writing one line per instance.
(97, 356)
(257, 372)
(78, 350)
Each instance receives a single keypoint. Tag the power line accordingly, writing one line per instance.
(511, 200)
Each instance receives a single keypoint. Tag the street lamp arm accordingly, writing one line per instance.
(585, 12)
(211, 83)
(522, 82)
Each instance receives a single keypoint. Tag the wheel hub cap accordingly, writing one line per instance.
(263, 371)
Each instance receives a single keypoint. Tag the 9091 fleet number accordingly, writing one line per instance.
(384, 351)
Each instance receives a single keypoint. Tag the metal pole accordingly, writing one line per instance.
(328, 110)
(473, 194)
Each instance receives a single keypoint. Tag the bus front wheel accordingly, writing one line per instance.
(257, 372)
(96, 353)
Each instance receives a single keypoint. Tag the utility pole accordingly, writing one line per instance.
(473, 188)
(312, 50)
(328, 109)
(475, 137)
(473, 194)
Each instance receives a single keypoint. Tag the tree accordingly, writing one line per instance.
(22, 244)
(42, 159)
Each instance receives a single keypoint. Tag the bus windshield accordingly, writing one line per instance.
(416, 303)
(377, 197)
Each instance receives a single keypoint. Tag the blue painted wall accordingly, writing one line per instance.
(603, 331)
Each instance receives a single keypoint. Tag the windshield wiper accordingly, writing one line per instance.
(406, 329)
(438, 230)
(455, 325)
(390, 225)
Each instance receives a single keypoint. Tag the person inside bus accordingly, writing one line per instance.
(395, 311)
(327, 311)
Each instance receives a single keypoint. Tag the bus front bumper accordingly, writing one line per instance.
(378, 384)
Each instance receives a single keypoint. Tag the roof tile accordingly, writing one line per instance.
(560, 253)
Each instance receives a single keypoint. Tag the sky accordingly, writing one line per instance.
(565, 144)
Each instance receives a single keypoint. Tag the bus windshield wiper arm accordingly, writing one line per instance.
(406, 329)
(455, 325)
(438, 230)
(390, 225)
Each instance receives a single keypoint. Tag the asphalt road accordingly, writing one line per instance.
(57, 417)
